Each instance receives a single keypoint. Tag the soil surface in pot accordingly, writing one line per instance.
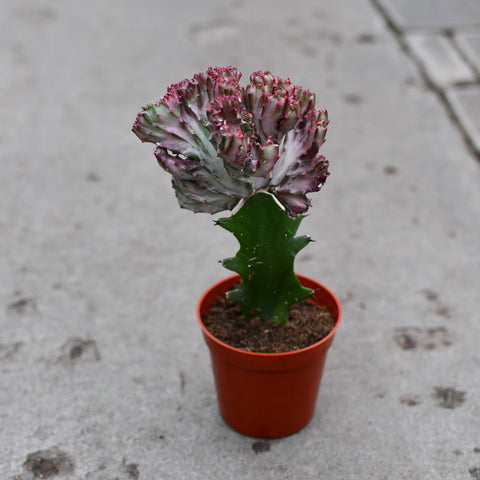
(307, 324)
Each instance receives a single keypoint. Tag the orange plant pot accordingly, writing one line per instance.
(268, 395)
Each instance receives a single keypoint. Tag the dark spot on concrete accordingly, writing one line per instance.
(405, 340)
(476, 450)
(91, 307)
(353, 98)
(261, 446)
(448, 397)
(308, 50)
(366, 38)
(156, 434)
(131, 469)
(412, 83)
(457, 452)
(76, 352)
(20, 54)
(410, 400)
(139, 380)
(22, 306)
(182, 381)
(443, 311)
(380, 394)
(474, 472)
(433, 297)
(93, 177)
(79, 349)
(48, 463)
(436, 330)
(9, 350)
(292, 21)
(390, 170)
(409, 338)
(37, 15)
(335, 38)
(430, 295)
(347, 297)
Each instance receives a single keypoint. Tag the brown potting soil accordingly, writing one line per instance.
(307, 324)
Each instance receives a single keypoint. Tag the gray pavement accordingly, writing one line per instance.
(443, 37)
(103, 371)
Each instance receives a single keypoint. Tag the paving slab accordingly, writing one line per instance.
(443, 38)
(442, 62)
(439, 14)
(466, 104)
(103, 369)
(469, 43)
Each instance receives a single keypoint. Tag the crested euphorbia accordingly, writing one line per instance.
(256, 147)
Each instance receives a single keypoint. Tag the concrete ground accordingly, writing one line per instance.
(103, 370)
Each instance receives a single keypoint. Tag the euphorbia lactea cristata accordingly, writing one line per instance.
(224, 144)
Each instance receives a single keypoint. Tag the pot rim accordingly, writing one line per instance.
(232, 279)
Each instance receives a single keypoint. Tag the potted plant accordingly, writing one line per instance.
(253, 150)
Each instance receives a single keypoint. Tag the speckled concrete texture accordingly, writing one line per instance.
(104, 374)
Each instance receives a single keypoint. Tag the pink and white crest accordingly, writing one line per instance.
(222, 142)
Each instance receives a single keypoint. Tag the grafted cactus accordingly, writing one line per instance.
(227, 146)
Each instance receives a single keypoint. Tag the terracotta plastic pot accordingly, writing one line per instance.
(268, 395)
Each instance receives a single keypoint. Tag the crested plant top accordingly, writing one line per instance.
(256, 147)
(222, 143)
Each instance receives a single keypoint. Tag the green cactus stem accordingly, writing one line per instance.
(265, 260)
